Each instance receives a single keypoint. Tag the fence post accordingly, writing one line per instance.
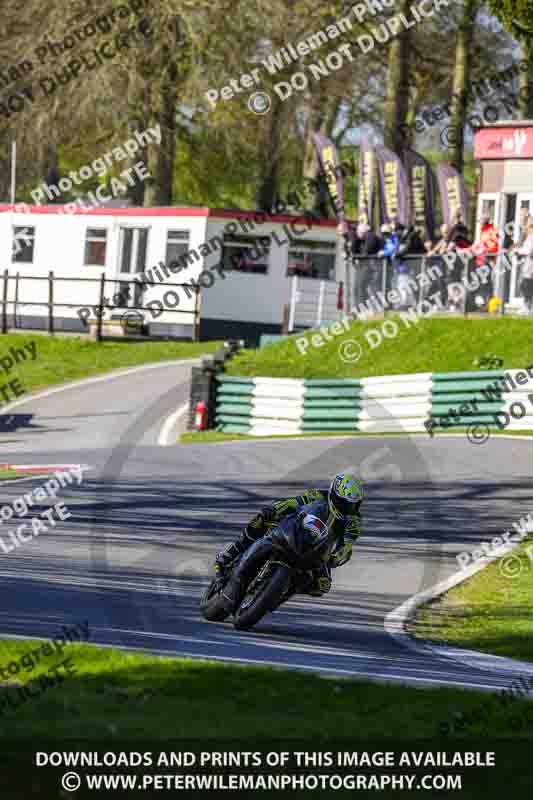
(385, 263)
(195, 321)
(498, 286)
(16, 298)
(100, 309)
(4, 301)
(51, 302)
(294, 290)
(285, 319)
(320, 309)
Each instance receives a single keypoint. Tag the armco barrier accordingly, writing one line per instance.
(385, 404)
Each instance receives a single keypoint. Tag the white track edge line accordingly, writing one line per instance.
(395, 621)
(164, 436)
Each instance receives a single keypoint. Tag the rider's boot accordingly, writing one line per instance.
(227, 557)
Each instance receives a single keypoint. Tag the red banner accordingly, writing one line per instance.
(503, 143)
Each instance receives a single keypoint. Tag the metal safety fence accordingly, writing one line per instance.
(36, 308)
(456, 282)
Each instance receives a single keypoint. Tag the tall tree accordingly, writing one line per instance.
(397, 97)
(461, 78)
(517, 17)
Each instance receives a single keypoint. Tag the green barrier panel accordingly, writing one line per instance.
(336, 413)
(457, 399)
(473, 387)
(325, 404)
(238, 389)
(238, 419)
(331, 393)
(317, 382)
(488, 375)
(341, 427)
(234, 428)
(485, 408)
(235, 379)
(234, 408)
(234, 396)
(239, 404)
(465, 420)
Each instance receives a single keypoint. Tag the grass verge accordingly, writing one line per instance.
(431, 345)
(123, 694)
(69, 359)
(206, 437)
(490, 612)
(11, 474)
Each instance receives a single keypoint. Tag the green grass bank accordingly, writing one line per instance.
(431, 345)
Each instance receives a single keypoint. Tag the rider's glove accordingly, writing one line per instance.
(268, 514)
(342, 555)
(262, 520)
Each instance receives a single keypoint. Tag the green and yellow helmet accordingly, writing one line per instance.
(345, 495)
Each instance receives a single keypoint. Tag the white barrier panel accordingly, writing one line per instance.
(403, 389)
(293, 390)
(277, 409)
(392, 426)
(420, 377)
(387, 410)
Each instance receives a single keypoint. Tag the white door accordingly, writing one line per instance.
(524, 209)
(489, 205)
(133, 247)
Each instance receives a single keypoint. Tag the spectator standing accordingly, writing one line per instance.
(458, 237)
(370, 245)
(442, 245)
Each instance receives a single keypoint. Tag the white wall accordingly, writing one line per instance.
(255, 297)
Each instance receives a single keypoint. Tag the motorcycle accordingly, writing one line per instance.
(273, 569)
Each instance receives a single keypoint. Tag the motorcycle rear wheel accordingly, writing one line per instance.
(265, 598)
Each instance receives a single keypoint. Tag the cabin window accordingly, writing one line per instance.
(246, 254)
(309, 259)
(133, 249)
(177, 246)
(95, 247)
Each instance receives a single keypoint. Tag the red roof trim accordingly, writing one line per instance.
(171, 211)
(262, 217)
(110, 212)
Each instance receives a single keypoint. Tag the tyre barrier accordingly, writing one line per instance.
(385, 404)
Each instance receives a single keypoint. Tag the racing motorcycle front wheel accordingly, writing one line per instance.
(264, 594)
(213, 606)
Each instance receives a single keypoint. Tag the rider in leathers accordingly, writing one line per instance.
(339, 508)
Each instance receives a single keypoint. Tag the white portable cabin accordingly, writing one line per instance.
(242, 260)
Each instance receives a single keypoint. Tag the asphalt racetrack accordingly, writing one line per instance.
(147, 520)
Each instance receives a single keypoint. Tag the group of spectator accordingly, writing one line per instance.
(396, 241)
